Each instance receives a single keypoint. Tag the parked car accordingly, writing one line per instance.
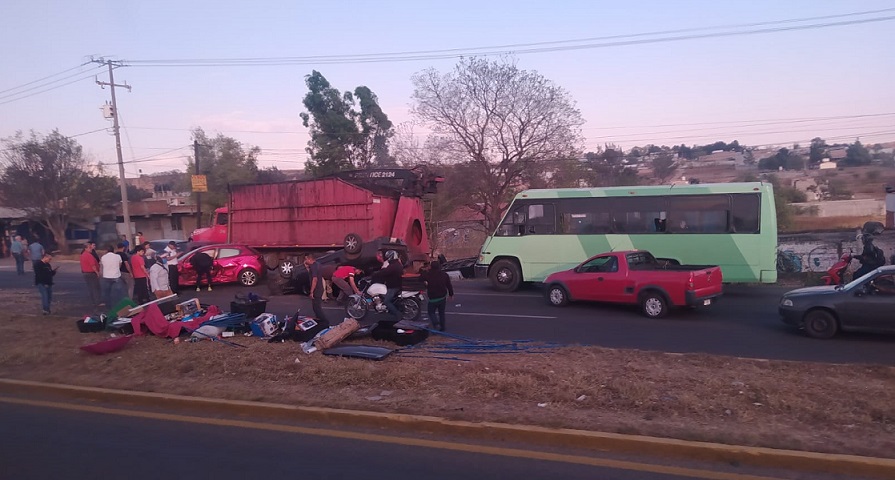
(635, 277)
(867, 304)
(232, 263)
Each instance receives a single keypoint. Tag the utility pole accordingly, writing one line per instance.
(198, 194)
(115, 127)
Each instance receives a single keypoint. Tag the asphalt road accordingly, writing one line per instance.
(744, 322)
(74, 441)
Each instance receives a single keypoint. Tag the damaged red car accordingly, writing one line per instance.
(232, 263)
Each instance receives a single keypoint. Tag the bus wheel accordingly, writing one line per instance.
(505, 275)
(557, 296)
(653, 305)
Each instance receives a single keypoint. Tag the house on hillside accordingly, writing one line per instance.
(721, 158)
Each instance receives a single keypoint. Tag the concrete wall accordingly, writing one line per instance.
(846, 208)
(817, 252)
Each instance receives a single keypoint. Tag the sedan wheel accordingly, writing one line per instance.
(556, 296)
(286, 268)
(248, 277)
(820, 324)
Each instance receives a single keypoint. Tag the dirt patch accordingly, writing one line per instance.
(793, 405)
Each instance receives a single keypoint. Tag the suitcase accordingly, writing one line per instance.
(400, 336)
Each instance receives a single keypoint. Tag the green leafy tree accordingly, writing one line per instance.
(48, 177)
(270, 175)
(784, 197)
(343, 137)
(499, 119)
(783, 158)
(224, 161)
(664, 167)
(857, 155)
(608, 168)
(817, 151)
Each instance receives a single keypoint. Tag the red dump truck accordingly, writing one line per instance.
(360, 211)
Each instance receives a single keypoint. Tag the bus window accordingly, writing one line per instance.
(541, 220)
(582, 216)
(636, 214)
(698, 214)
(745, 209)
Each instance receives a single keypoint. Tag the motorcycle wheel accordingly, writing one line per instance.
(357, 308)
(410, 309)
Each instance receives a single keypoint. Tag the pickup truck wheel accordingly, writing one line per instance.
(557, 296)
(505, 275)
(653, 305)
(820, 324)
(248, 277)
(353, 243)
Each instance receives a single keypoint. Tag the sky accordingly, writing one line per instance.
(826, 70)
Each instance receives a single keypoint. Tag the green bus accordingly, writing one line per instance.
(732, 225)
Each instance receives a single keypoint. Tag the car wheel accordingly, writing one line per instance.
(287, 267)
(410, 309)
(505, 275)
(248, 277)
(353, 243)
(820, 324)
(557, 296)
(653, 305)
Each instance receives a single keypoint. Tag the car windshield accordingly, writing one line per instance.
(854, 283)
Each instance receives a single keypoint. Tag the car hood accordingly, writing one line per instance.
(813, 291)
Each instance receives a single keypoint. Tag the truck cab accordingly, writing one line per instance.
(216, 233)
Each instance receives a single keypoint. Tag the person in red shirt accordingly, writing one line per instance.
(343, 277)
(141, 276)
(90, 271)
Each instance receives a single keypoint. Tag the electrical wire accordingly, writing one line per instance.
(44, 78)
(47, 90)
(520, 48)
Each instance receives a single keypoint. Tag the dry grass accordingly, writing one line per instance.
(817, 407)
(802, 223)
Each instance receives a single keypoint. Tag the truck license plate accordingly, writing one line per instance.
(707, 302)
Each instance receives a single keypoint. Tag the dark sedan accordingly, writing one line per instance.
(867, 304)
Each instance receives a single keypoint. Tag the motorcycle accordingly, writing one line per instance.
(836, 273)
(372, 298)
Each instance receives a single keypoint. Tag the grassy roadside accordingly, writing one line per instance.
(803, 406)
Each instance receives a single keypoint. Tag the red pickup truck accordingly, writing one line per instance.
(635, 277)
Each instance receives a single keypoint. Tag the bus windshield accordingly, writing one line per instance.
(730, 225)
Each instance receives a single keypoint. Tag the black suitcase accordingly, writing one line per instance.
(403, 338)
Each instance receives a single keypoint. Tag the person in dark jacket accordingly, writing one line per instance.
(439, 290)
(392, 277)
(315, 273)
(871, 257)
(43, 280)
(202, 263)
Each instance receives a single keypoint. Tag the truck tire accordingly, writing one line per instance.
(272, 261)
(557, 296)
(653, 304)
(505, 275)
(248, 277)
(353, 243)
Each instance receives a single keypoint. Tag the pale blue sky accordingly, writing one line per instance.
(625, 93)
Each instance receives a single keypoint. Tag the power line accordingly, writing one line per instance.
(520, 48)
(43, 78)
(45, 84)
(48, 89)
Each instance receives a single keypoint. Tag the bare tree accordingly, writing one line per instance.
(501, 120)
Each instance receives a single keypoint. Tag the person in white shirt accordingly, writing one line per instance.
(158, 279)
(170, 253)
(110, 276)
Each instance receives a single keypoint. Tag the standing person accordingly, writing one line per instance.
(90, 271)
(18, 252)
(149, 254)
(344, 278)
(392, 277)
(158, 279)
(110, 276)
(43, 279)
(202, 263)
(36, 251)
(141, 276)
(127, 245)
(439, 290)
(138, 240)
(127, 274)
(316, 275)
(170, 254)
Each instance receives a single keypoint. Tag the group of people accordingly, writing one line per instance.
(140, 274)
(391, 274)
